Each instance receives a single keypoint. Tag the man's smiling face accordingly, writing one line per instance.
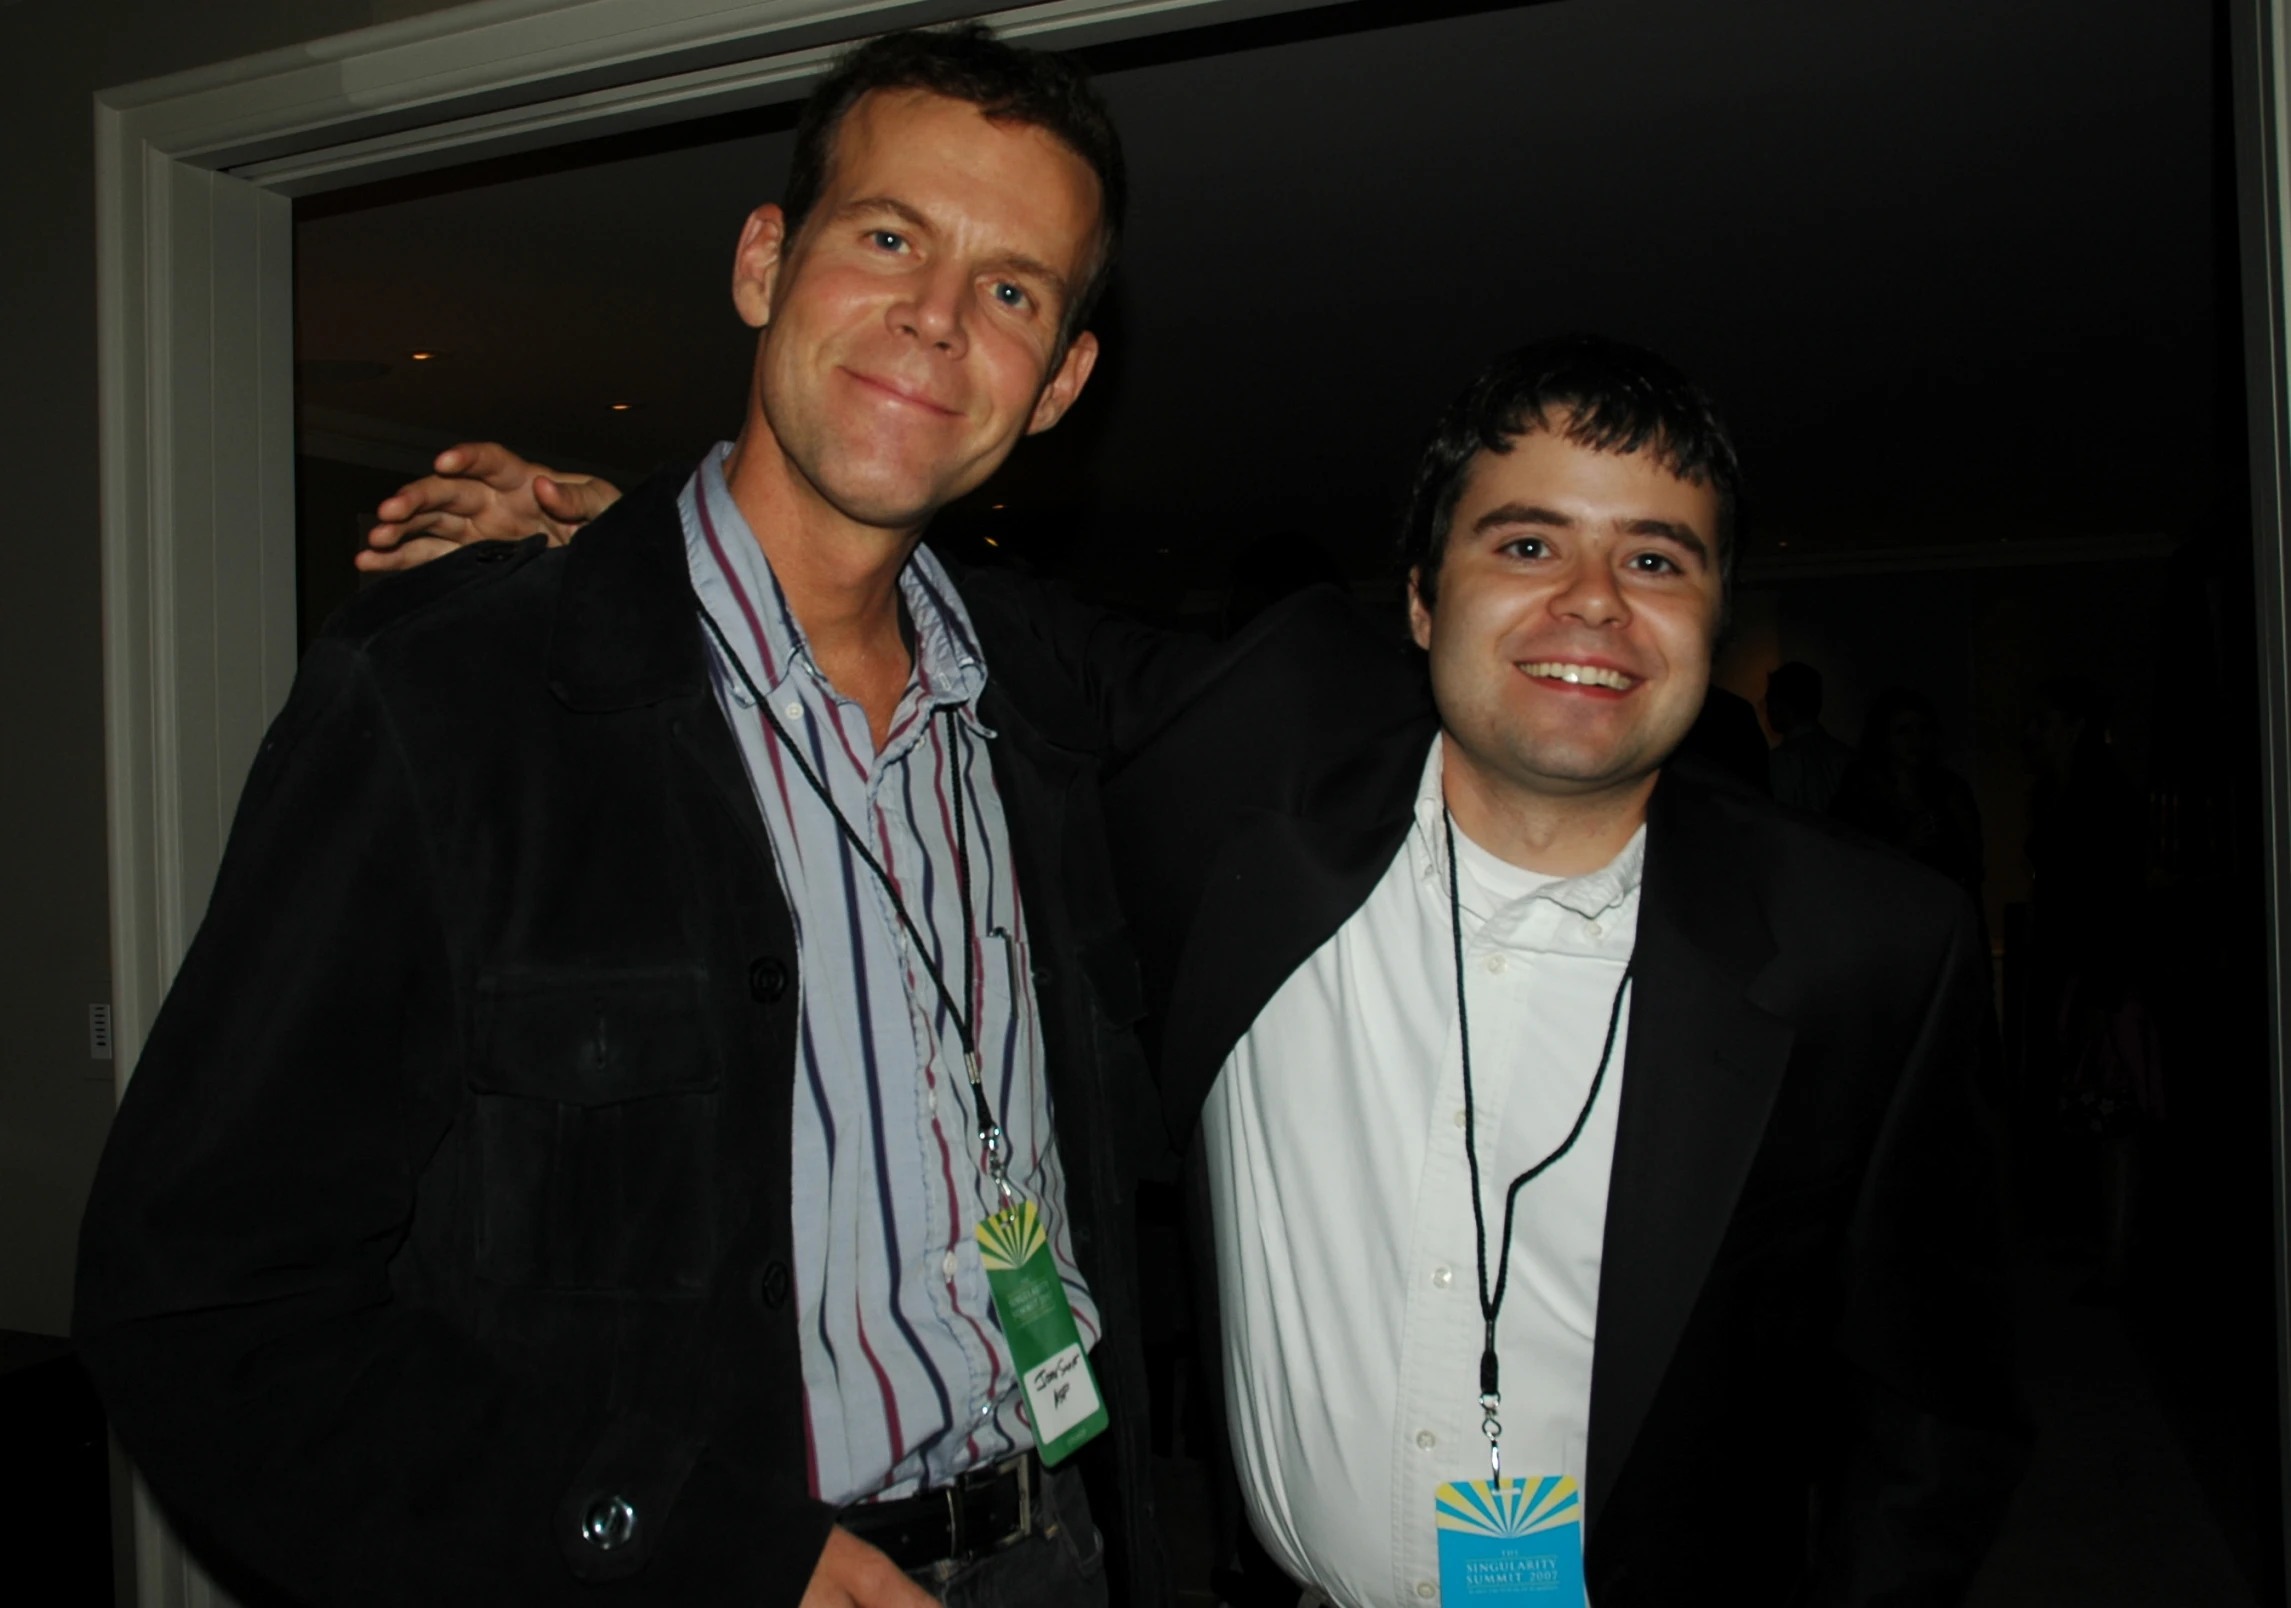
(913, 325)
(1577, 600)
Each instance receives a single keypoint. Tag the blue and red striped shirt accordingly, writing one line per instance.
(907, 1378)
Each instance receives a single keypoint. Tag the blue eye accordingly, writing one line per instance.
(1009, 294)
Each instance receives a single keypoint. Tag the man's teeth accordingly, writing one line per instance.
(1581, 675)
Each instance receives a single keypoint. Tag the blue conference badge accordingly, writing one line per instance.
(1520, 1541)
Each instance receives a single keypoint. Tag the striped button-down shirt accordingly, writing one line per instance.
(908, 1380)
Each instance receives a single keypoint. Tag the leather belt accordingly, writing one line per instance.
(980, 1512)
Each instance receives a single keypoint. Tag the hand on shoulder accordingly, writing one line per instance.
(481, 492)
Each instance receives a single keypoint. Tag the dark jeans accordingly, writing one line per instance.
(1061, 1564)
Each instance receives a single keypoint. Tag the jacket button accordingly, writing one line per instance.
(772, 1286)
(767, 979)
(609, 1524)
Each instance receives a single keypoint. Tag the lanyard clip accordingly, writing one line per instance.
(992, 1162)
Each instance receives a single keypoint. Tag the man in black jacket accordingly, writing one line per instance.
(551, 1178)
(1734, 1067)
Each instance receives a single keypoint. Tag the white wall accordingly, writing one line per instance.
(54, 940)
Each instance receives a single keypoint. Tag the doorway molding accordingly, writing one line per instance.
(195, 179)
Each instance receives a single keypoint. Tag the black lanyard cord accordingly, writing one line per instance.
(989, 1130)
(1491, 1303)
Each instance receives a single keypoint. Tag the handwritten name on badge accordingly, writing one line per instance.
(1061, 1393)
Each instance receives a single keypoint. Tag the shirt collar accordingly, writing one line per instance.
(1590, 895)
(735, 580)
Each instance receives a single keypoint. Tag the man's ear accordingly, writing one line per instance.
(1066, 384)
(1419, 612)
(756, 264)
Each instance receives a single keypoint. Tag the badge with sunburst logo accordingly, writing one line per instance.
(1007, 1239)
(1062, 1401)
(1511, 1541)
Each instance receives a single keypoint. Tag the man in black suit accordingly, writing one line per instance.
(1756, 1305)
(453, 1243)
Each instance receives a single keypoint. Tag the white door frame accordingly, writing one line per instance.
(195, 297)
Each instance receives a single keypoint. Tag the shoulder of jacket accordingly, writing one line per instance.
(1824, 858)
(470, 581)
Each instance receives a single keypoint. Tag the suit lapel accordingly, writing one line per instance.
(1698, 1081)
(627, 635)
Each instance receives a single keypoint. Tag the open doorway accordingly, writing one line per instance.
(1962, 275)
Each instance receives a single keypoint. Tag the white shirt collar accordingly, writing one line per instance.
(1590, 895)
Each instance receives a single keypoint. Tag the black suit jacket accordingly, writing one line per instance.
(452, 1190)
(1801, 1377)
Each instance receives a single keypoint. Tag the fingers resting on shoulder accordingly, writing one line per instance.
(481, 492)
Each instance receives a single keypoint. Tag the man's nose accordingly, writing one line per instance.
(932, 312)
(1591, 597)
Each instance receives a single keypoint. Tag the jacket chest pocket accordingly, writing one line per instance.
(595, 1099)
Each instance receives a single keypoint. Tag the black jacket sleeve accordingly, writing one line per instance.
(241, 1302)
(1125, 677)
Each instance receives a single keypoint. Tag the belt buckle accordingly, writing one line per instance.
(958, 1540)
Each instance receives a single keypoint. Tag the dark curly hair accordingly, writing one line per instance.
(1598, 393)
(967, 62)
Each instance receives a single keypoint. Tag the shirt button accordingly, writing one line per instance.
(1426, 1439)
(1426, 1590)
(947, 1264)
(1463, 1117)
(1443, 1277)
(794, 710)
(1593, 930)
(1494, 964)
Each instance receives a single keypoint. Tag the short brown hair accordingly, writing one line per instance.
(967, 62)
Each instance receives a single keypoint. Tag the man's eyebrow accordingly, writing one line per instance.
(884, 203)
(1521, 514)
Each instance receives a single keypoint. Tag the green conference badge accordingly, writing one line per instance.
(1061, 1393)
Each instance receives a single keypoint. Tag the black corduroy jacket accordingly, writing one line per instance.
(449, 1204)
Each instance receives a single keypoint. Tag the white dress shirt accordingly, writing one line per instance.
(1345, 1249)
